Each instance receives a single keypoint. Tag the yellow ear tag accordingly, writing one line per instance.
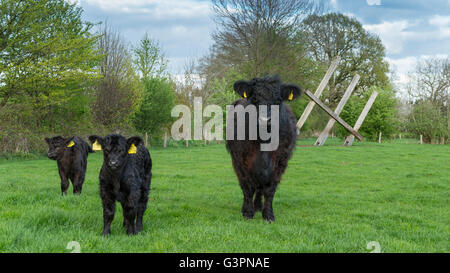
(71, 144)
(132, 149)
(245, 94)
(96, 146)
(291, 96)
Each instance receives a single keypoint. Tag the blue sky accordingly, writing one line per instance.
(409, 29)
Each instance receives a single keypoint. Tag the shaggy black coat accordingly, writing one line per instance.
(125, 178)
(259, 172)
(72, 161)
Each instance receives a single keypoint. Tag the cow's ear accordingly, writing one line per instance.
(97, 142)
(243, 88)
(290, 91)
(68, 142)
(94, 138)
(133, 143)
(47, 140)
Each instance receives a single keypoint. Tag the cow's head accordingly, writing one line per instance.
(57, 145)
(116, 148)
(266, 91)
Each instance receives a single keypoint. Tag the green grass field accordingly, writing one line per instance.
(331, 199)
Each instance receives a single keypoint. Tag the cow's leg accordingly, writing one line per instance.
(267, 211)
(257, 204)
(248, 211)
(64, 182)
(77, 183)
(129, 212)
(142, 207)
(109, 207)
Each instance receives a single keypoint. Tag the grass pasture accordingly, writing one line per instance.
(331, 199)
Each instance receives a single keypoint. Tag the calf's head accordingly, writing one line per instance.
(116, 149)
(266, 91)
(57, 145)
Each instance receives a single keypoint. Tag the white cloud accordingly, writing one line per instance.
(403, 66)
(392, 34)
(374, 2)
(396, 34)
(334, 3)
(443, 24)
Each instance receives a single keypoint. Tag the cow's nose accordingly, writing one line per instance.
(113, 163)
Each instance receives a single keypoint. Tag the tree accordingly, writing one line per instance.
(150, 59)
(153, 114)
(382, 117)
(48, 62)
(334, 34)
(118, 93)
(255, 38)
(429, 98)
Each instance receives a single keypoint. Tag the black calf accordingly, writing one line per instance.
(125, 177)
(71, 156)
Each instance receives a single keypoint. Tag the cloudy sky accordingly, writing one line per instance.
(409, 29)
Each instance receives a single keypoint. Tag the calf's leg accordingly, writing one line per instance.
(109, 207)
(78, 183)
(142, 206)
(64, 183)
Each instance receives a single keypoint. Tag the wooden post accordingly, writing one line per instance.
(333, 115)
(318, 92)
(187, 143)
(324, 135)
(349, 140)
(165, 140)
(421, 139)
(379, 138)
(146, 139)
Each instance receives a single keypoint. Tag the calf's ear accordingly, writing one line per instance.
(243, 88)
(47, 140)
(136, 140)
(133, 143)
(68, 142)
(96, 142)
(290, 91)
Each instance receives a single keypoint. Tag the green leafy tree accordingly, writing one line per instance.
(381, 117)
(153, 115)
(328, 36)
(48, 62)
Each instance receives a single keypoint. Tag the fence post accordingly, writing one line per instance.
(318, 92)
(421, 139)
(165, 140)
(379, 138)
(187, 143)
(146, 139)
(324, 135)
(349, 140)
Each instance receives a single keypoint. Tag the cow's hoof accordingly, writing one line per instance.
(106, 233)
(269, 217)
(248, 215)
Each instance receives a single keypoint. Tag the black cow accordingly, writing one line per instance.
(125, 177)
(71, 156)
(259, 172)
